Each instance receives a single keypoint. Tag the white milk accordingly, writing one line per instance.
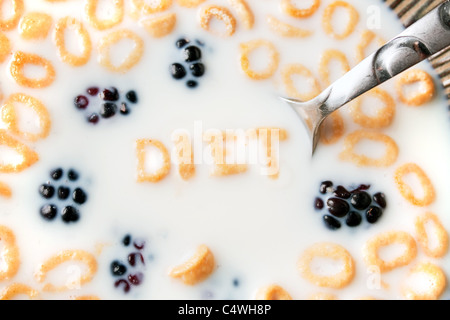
(256, 227)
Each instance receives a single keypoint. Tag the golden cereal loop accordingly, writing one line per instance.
(143, 175)
(384, 116)
(322, 296)
(244, 12)
(29, 157)
(10, 261)
(437, 281)
(332, 129)
(425, 92)
(16, 289)
(18, 9)
(274, 59)
(20, 59)
(330, 251)
(113, 38)
(272, 292)
(91, 14)
(285, 29)
(154, 7)
(87, 297)
(407, 192)
(441, 248)
(199, 267)
(9, 116)
(351, 140)
(5, 190)
(290, 9)
(35, 25)
(325, 59)
(190, 3)
(63, 257)
(328, 18)
(69, 23)
(221, 13)
(373, 246)
(367, 37)
(291, 70)
(5, 47)
(160, 26)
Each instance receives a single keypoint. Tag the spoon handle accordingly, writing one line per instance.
(426, 37)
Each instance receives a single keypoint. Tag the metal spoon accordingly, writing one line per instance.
(426, 37)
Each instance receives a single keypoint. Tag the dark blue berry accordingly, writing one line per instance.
(360, 200)
(236, 282)
(124, 109)
(132, 96)
(177, 71)
(353, 219)
(324, 186)
(57, 174)
(72, 175)
(49, 211)
(380, 199)
(338, 207)
(70, 214)
(126, 240)
(108, 110)
(197, 69)
(192, 84)
(331, 222)
(192, 53)
(93, 118)
(79, 196)
(81, 102)
(373, 214)
(47, 191)
(181, 43)
(118, 269)
(110, 94)
(318, 204)
(341, 192)
(63, 192)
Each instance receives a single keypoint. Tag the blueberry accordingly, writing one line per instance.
(331, 222)
(353, 219)
(373, 214)
(70, 214)
(236, 282)
(126, 240)
(338, 207)
(118, 269)
(177, 71)
(192, 53)
(108, 110)
(57, 174)
(49, 211)
(132, 96)
(47, 191)
(341, 192)
(380, 199)
(360, 200)
(110, 94)
(81, 102)
(79, 196)
(124, 109)
(181, 43)
(324, 186)
(197, 69)
(63, 192)
(72, 175)
(318, 204)
(191, 84)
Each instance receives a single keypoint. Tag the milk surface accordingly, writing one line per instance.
(257, 227)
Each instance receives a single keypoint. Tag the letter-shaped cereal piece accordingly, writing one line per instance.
(29, 157)
(35, 25)
(190, 3)
(425, 92)
(103, 24)
(21, 59)
(290, 9)
(437, 281)
(291, 89)
(285, 29)
(272, 292)
(244, 12)
(10, 260)
(160, 26)
(16, 289)
(18, 9)
(423, 237)
(143, 175)
(407, 192)
(327, 19)
(152, 6)
(274, 59)
(220, 13)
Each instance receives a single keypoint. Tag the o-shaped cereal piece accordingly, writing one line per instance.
(328, 18)
(329, 251)
(244, 12)
(272, 292)
(325, 59)
(20, 59)
(67, 256)
(290, 9)
(15, 289)
(91, 14)
(322, 296)
(407, 192)
(436, 279)
(332, 129)
(35, 25)
(197, 268)
(291, 89)
(384, 116)
(154, 7)
(160, 26)
(29, 157)
(441, 247)
(86, 45)
(143, 175)
(190, 3)
(367, 37)
(5, 47)
(5, 190)
(373, 246)
(9, 116)
(18, 9)
(220, 13)
(10, 261)
(285, 29)
(351, 140)
(274, 59)
(424, 94)
(113, 38)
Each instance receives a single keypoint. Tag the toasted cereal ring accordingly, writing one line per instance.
(407, 192)
(285, 29)
(290, 9)
(86, 45)
(325, 59)
(190, 3)
(384, 116)
(244, 12)
(143, 175)
(272, 292)
(374, 245)
(89, 297)
(389, 157)
(422, 236)
(10, 261)
(5, 190)
(197, 268)
(29, 157)
(160, 26)
(20, 59)
(332, 129)
(423, 95)
(248, 47)
(67, 256)
(367, 37)
(328, 18)
(91, 15)
(437, 281)
(298, 69)
(18, 9)
(322, 296)
(9, 116)
(330, 251)
(15, 289)
(35, 25)
(220, 13)
(113, 38)
(5, 47)
(152, 7)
